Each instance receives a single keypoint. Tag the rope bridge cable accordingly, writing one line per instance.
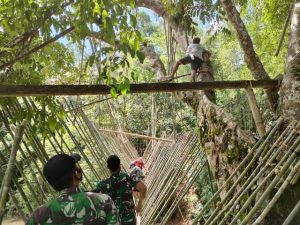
(271, 163)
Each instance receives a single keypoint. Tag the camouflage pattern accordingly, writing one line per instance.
(77, 207)
(119, 187)
(136, 173)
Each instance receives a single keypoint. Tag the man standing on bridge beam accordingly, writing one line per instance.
(194, 57)
(119, 187)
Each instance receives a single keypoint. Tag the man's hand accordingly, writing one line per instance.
(138, 208)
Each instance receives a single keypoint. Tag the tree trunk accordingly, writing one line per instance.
(290, 89)
(224, 142)
(252, 60)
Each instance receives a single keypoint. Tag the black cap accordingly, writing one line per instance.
(59, 165)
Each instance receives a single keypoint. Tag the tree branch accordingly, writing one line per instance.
(155, 61)
(22, 56)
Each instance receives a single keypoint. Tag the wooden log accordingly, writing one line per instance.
(52, 90)
(255, 112)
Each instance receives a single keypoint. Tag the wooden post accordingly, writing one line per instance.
(5, 186)
(255, 112)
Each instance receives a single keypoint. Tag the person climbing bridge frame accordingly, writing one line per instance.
(64, 174)
(194, 57)
(136, 172)
(120, 187)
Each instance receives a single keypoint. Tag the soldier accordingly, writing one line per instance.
(73, 206)
(119, 187)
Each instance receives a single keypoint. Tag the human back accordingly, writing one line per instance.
(119, 187)
(195, 50)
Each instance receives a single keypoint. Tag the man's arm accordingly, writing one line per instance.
(141, 187)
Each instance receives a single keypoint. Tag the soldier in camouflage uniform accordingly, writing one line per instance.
(73, 206)
(119, 187)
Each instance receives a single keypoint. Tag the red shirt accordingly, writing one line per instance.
(139, 163)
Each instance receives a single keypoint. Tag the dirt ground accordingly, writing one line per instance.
(13, 221)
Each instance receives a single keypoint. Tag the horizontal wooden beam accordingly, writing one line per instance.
(51, 90)
(136, 135)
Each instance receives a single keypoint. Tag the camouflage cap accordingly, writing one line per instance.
(59, 165)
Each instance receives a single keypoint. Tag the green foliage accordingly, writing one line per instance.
(48, 113)
(27, 24)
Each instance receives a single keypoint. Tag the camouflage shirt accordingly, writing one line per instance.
(76, 207)
(136, 173)
(119, 187)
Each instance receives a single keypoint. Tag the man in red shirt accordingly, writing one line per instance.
(140, 163)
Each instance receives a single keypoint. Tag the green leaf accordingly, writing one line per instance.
(133, 20)
(110, 31)
(141, 56)
(96, 9)
(104, 15)
(113, 92)
(52, 124)
(132, 3)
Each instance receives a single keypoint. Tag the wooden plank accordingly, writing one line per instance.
(51, 90)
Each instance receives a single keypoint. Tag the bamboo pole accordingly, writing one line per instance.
(277, 195)
(19, 188)
(292, 215)
(253, 155)
(135, 135)
(264, 196)
(287, 20)
(265, 180)
(174, 183)
(5, 186)
(255, 112)
(264, 162)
